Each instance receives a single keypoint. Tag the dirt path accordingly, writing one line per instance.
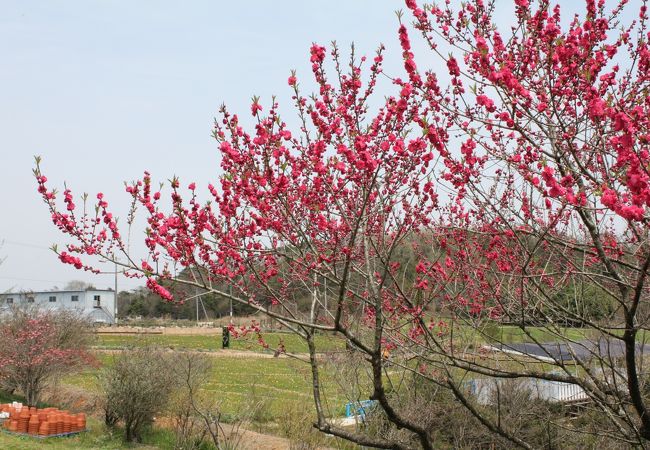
(251, 440)
(169, 331)
(222, 353)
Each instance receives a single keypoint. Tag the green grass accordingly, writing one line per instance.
(292, 342)
(511, 334)
(256, 388)
(328, 343)
(514, 335)
(264, 386)
(243, 384)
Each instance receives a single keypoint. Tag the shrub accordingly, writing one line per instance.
(191, 372)
(197, 418)
(136, 387)
(296, 425)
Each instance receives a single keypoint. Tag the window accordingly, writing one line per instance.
(10, 300)
(52, 298)
(74, 298)
(30, 299)
(96, 300)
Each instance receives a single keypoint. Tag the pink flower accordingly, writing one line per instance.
(404, 38)
(597, 108)
(632, 212)
(255, 108)
(317, 53)
(452, 65)
(486, 102)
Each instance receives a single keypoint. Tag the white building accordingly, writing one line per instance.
(98, 305)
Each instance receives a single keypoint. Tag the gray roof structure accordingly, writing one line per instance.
(583, 350)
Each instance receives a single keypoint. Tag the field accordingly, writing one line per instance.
(292, 342)
(512, 334)
(245, 380)
(258, 387)
(263, 386)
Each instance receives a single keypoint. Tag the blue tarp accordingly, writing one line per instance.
(359, 408)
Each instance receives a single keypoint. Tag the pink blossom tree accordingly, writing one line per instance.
(38, 347)
(512, 193)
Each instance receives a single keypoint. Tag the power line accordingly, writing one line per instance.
(30, 279)
(24, 244)
(56, 281)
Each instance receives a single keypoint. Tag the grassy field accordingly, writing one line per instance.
(261, 386)
(292, 342)
(510, 334)
(329, 343)
(513, 335)
(258, 388)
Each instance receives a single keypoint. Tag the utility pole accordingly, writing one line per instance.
(230, 287)
(197, 305)
(325, 297)
(116, 294)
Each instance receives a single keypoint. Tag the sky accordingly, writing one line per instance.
(103, 90)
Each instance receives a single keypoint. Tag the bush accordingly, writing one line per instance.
(40, 346)
(296, 426)
(193, 421)
(198, 422)
(136, 387)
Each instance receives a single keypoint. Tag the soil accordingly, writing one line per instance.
(175, 331)
(251, 440)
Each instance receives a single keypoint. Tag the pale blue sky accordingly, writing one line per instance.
(106, 89)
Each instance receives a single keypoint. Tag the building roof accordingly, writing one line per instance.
(569, 351)
(63, 291)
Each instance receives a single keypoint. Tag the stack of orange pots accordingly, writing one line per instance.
(42, 415)
(41, 422)
(58, 419)
(13, 413)
(23, 420)
(44, 429)
(67, 423)
(32, 427)
(51, 428)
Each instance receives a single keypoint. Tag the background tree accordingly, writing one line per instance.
(38, 347)
(516, 173)
(78, 285)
